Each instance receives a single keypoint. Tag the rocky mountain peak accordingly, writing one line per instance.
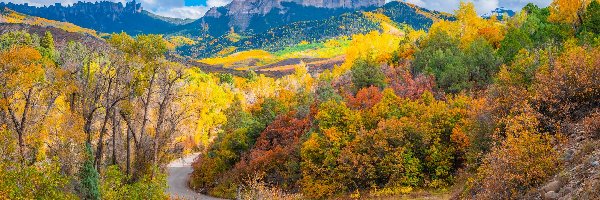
(239, 13)
(243, 7)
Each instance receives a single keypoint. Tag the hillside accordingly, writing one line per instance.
(345, 24)
(11, 17)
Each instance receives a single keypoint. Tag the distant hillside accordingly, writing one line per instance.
(284, 35)
(102, 16)
(8, 16)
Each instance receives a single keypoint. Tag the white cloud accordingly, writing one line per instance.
(191, 12)
(217, 3)
(482, 6)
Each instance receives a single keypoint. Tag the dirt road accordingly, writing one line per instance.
(179, 174)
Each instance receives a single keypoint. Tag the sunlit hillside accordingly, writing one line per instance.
(12, 17)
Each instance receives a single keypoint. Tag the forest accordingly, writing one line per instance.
(472, 108)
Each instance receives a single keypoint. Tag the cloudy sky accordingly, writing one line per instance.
(482, 6)
(197, 8)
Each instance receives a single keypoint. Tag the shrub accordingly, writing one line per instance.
(524, 160)
(115, 186)
(366, 73)
(568, 90)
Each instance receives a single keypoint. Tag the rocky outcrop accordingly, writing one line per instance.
(241, 12)
(249, 7)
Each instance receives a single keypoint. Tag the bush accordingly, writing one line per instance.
(366, 73)
(457, 69)
(115, 186)
(525, 159)
(569, 90)
(41, 180)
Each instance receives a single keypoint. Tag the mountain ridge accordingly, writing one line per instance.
(249, 15)
(102, 16)
(318, 30)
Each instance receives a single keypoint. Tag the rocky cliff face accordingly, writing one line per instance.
(242, 14)
(263, 7)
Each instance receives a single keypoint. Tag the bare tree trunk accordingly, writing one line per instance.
(128, 147)
(20, 125)
(87, 128)
(116, 129)
(147, 105)
(99, 151)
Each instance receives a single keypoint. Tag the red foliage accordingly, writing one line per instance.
(275, 154)
(365, 98)
(405, 85)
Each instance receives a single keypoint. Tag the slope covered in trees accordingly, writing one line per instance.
(492, 102)
(475, 108)
(313, 28)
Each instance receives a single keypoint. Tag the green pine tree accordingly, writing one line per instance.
(48, 41)
(591, 21)
(89, 177)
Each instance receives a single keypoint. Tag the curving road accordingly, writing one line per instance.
(179, 173)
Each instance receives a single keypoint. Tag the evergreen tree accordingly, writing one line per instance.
(48, 41)
(591, 19)
(89, 177)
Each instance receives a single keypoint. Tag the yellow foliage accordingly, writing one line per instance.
(391, 191)
(181, 41)
(378, 45)
(387, 25)
(469, 26)
(207, 101)
(238, 57)
(226, 51)
(567, 11)
(233, 37)
(9, 16)
(330, 48)
(303, 42)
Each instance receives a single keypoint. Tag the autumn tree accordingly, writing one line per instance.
(23, 85)
(569, 12)
(568, 91)
(30, 85)
(366, 73)
(152, 87)
(591, 18)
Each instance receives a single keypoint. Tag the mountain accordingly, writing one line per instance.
(499, 12)
(280, 34)
(102, 16)
(259, 15)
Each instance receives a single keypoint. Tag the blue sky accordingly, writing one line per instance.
(197, 8)
(195, 2)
